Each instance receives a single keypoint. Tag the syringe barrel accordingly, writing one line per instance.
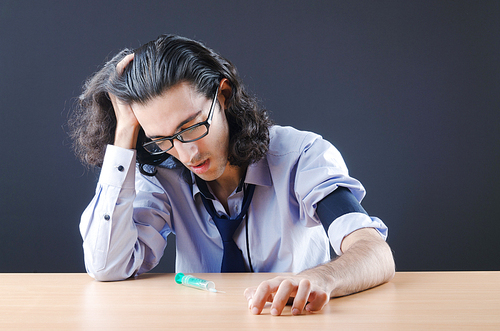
(191, 281)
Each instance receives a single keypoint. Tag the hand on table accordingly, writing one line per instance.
(280, 290)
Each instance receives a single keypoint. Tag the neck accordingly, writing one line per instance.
(227, 183)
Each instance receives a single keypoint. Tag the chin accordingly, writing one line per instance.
(211, 175)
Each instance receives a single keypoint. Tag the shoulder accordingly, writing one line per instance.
(289, 145)
(288, 140)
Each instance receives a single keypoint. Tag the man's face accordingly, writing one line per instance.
(179, 108)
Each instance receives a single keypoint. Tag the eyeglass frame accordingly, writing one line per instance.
(206, 123)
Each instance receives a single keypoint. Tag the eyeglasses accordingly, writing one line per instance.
(190, 134)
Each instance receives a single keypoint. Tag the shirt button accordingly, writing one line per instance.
(107, 217)
(120, 168)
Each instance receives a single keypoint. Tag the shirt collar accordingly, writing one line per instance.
(258, 173)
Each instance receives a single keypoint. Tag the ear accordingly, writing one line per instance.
(225, 91)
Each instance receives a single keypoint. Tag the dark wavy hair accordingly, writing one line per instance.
(158, 66)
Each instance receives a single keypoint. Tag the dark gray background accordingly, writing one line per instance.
(408, 91)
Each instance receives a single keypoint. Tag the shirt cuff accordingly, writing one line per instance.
(118, 167)
(348, 223)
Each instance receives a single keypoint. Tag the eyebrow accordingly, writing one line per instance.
(187, 120)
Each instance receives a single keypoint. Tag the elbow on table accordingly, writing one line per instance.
(106, 277)
(109, 274)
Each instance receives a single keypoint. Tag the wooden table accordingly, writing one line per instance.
(413, 300)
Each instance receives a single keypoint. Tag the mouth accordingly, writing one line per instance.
(201, 168)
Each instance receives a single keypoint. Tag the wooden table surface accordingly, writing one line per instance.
(411, 301)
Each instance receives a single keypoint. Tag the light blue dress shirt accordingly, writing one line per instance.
(126, 225)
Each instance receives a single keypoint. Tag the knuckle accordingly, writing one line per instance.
(265, 287)
(286, 282)
(305, 283)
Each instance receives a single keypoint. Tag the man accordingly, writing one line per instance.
(239, 193)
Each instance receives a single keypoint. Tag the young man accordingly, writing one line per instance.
(239, 193)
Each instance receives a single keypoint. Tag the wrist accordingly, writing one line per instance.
(126, 137)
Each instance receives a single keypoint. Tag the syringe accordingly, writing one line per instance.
(191, 281)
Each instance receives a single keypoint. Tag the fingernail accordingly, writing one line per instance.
(274, 311)
(250, 304)
(255, 310)
(295, 311)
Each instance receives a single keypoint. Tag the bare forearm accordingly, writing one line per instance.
(126, 137)
(366, 263)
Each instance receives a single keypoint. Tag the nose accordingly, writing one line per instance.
(184, 152)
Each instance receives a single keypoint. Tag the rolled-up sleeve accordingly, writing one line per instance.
(348, 223)
(320, 170)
